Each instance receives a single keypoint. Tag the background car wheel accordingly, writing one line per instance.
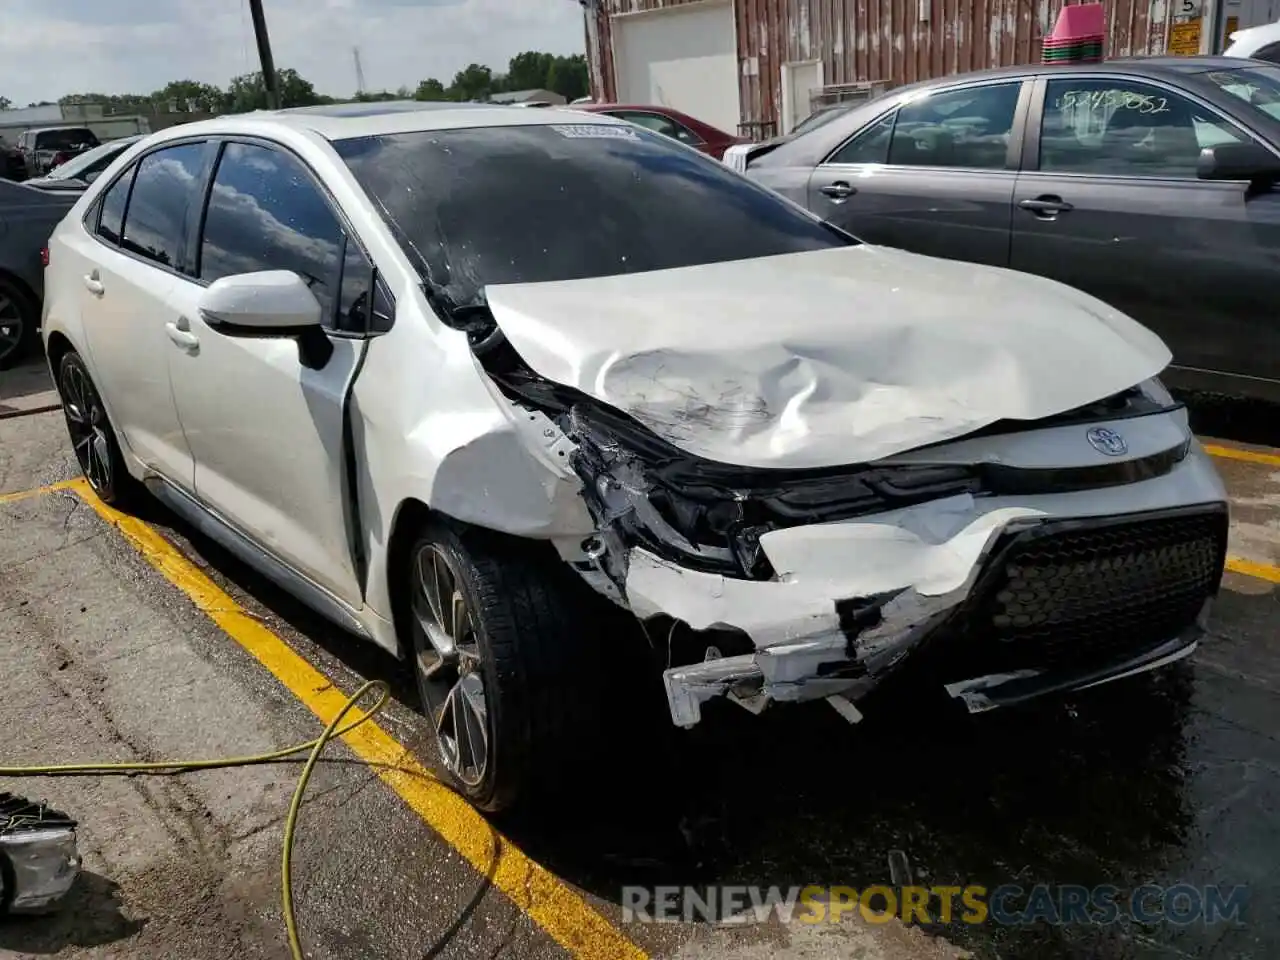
(508, 656)
(92, 438)
(18, 322)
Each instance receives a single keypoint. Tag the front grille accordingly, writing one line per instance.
(1085, 593)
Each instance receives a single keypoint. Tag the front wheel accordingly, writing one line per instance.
(508, 656)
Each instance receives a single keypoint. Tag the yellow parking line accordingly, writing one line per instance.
(1249, 456)
(39, 491)
(1250, 568)
(572, 922)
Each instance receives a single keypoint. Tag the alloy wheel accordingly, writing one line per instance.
(87, 424)
(450, 666)
(11, 325)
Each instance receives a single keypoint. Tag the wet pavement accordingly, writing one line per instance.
(1171, 779)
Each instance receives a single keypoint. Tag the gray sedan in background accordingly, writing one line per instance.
(27, 218)
(1149, 183)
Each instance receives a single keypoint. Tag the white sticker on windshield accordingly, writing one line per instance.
(594, 131)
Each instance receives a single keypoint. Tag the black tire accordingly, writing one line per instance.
(541, 659)
(92, 437)
(19, 325)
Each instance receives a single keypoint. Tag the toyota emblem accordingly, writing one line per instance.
(1107, 442)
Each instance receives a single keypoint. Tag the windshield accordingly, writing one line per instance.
(64, 139)
(823, 116)
(516, 204)
(96, 159)
(1258, 86)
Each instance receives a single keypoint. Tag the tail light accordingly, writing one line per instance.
(44, 256)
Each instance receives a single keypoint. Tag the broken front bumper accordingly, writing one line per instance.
(1005, 599)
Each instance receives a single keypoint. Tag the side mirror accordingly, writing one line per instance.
(272, 304)
(1238, 161)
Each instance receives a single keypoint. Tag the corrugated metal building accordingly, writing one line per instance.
(759, 66)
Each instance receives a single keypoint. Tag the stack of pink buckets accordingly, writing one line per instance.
(1077, 37)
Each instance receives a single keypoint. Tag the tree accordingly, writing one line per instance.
(529, 71)
(5, 103)
(568, 77)
(431, 89)
(473, 83)
(248, 92)
(204, 96)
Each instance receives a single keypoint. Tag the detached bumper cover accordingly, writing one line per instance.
(1008, 604)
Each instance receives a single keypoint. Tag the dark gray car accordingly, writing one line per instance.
(1149, 183)
(27, 218)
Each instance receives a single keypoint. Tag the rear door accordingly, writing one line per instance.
(1109, 202)
(934, 175)
(131, 265)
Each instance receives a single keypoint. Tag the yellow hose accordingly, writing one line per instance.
(316, 748)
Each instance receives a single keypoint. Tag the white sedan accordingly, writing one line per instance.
(509, 392)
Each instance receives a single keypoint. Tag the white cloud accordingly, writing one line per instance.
(49, 48)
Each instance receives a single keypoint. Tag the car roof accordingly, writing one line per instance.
(1142, 66)
(65, 126)
(344, 121)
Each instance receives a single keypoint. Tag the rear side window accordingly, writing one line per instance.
(111, 222)
(869, 145)
(159, 206)
(267, 213)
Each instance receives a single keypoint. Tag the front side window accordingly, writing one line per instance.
(585, 200)
(164, 186)
(267, 213)
(1126, 128)
(111, 221)
(968, 128)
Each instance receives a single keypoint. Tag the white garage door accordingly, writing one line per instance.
(681, 57)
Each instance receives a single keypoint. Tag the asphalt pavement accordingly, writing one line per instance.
(134, 638)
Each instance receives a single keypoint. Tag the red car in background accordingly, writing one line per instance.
(673, 123)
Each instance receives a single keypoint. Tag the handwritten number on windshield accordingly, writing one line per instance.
(1117, 99)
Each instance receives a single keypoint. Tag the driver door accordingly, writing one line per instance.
(1109, 202)
(266, 430)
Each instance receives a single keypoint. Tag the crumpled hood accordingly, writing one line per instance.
(828, 357)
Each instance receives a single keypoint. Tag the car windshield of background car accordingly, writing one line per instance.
(1257, 86)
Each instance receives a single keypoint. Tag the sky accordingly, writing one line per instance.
(49, 48)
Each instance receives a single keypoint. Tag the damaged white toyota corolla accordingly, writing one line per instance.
(500, 389)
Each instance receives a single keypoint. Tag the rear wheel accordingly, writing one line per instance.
(18, 324)
(508, 656)
(94, 442)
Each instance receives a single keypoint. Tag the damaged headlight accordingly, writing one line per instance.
(710, 516)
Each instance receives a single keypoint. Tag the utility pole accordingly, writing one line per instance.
(269, 78)
(355, 52)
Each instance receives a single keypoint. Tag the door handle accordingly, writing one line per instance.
(93, 284)
(1049, 205)
(183, 338)
(840, 190)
